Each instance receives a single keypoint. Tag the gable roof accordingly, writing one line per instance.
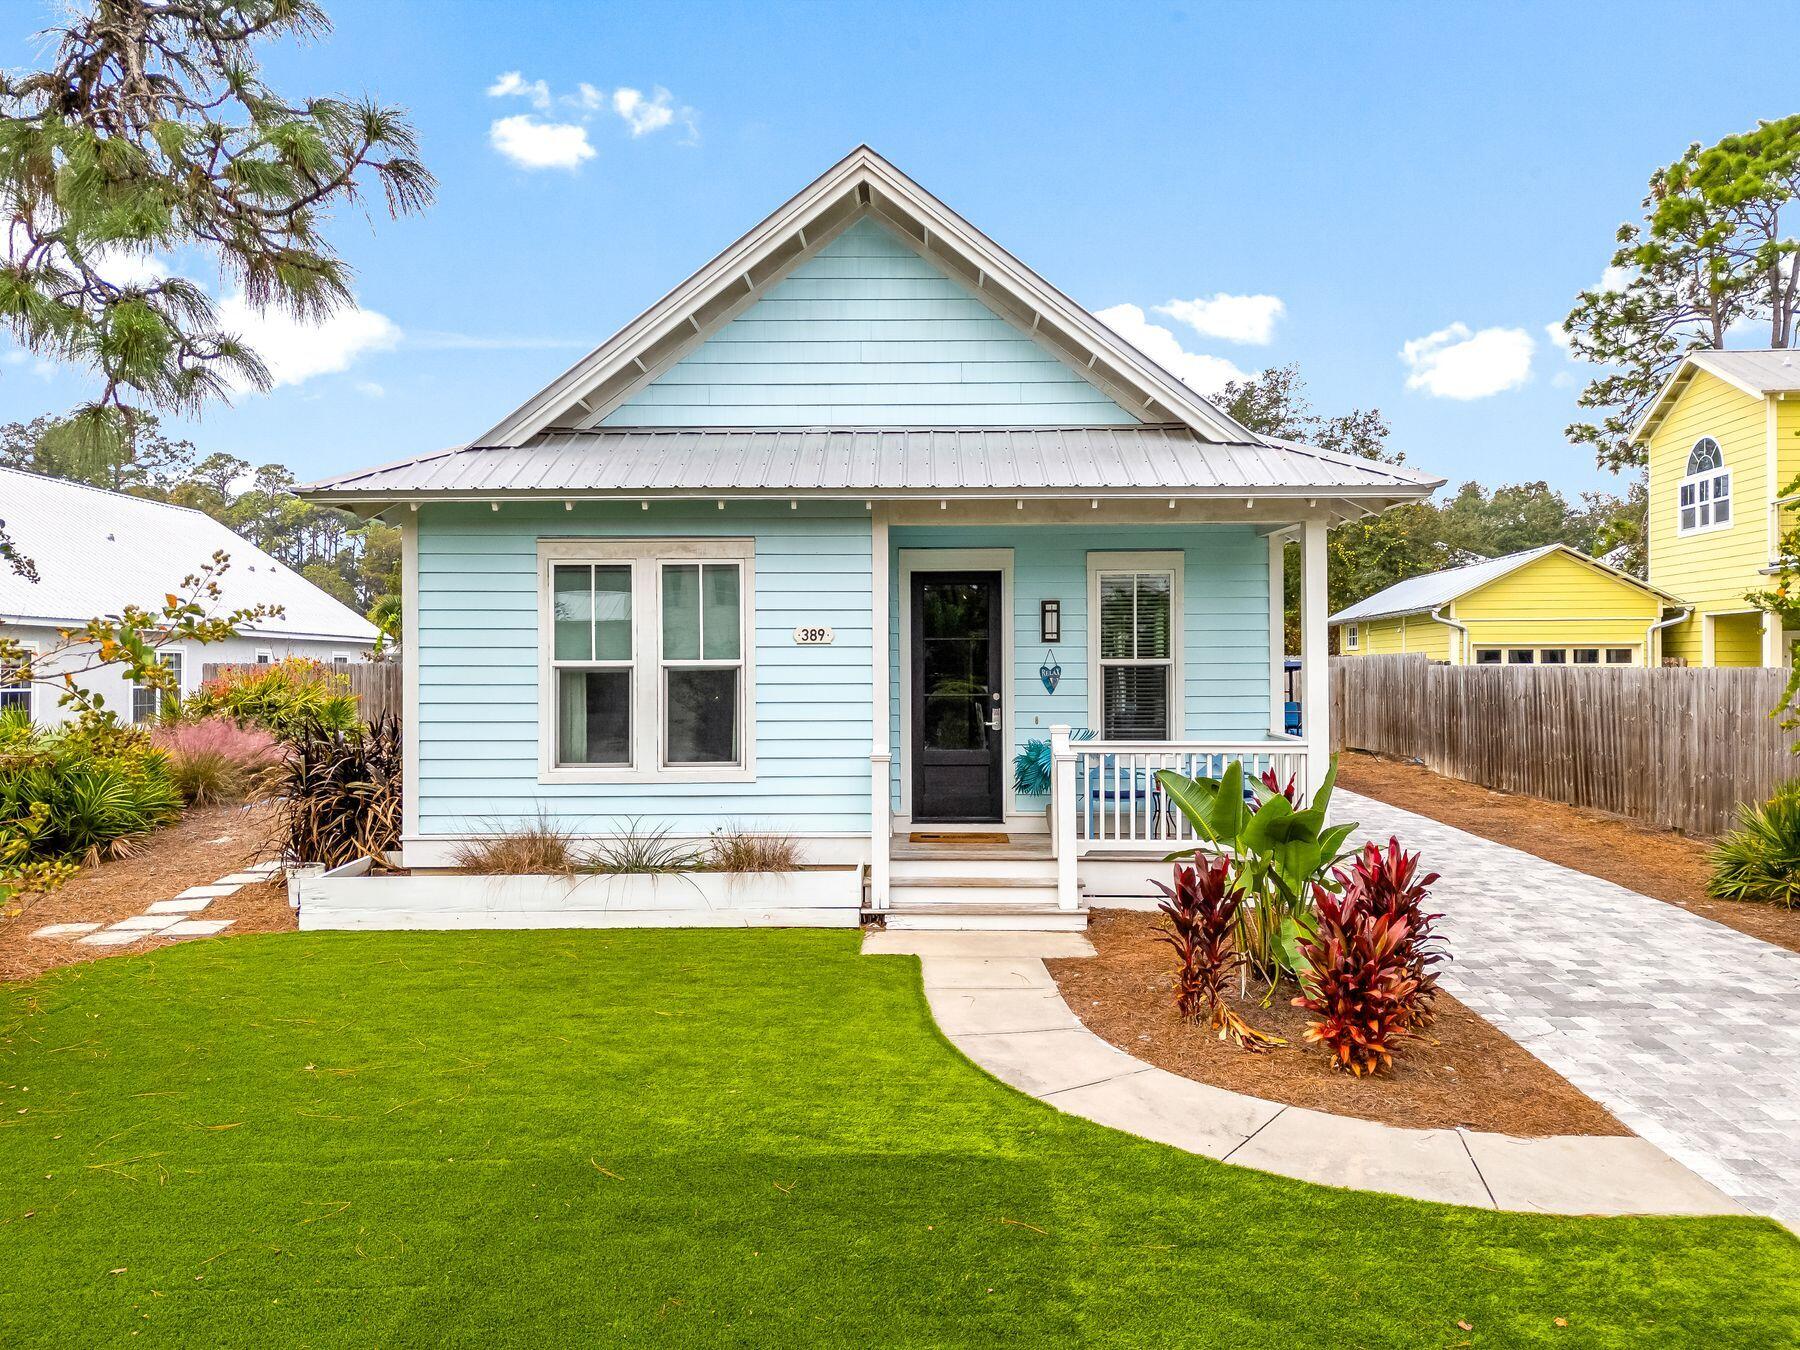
(884, 462)
(1758, 373)
(1421, 594)
(98, 551)
(859, 185)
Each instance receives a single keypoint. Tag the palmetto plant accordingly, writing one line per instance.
(1760, 860)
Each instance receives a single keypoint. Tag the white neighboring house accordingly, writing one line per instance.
(98, 551)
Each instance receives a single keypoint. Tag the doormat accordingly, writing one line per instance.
(956, 837)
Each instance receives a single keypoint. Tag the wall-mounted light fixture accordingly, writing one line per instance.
(1049, 621)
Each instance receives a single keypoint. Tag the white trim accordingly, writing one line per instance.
(1706, 639)
(1315, 662)
(264, 656)
(645, 557)
(1705, 484)
(411, 641)
(957, 560)
(1173, 562)
(825, 848)
(881, 754)
(859, 184)
(1277, 635)
(181, 681)
(30, 686)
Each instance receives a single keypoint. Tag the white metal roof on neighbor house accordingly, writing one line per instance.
(99, 551)
(1771, 370)
(1419, 594)
(1120, 460)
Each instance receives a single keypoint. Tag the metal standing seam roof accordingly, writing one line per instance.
(98, 551)
(1103, 460)
(1418, 594)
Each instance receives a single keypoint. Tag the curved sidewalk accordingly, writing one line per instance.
(996, 1001)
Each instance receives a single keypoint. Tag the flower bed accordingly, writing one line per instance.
(1461, 1071)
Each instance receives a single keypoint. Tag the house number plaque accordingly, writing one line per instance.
(813, 635)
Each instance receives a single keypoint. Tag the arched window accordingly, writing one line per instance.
(1703, 499)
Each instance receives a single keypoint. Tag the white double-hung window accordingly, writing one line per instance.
(646, 660)
(1134, 645)
(1703, 497)
(15, 689)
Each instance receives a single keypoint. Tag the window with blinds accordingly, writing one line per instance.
(1137, 646)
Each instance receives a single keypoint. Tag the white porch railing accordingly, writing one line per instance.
(1104, 794)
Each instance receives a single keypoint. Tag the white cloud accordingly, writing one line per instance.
(1235, 318)
(645, 115)
(514, 85)
(124, 267)
(1457, 363)
(1200, 372)
(1614, 279)
(532, 144)
(1558, 335)
(295, 351)
(370, 389)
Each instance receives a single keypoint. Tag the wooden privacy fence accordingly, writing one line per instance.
(1678, 747)
(376, 684)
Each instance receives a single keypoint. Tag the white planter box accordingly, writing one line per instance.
(813, 898)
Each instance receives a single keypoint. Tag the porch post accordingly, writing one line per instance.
(1277, 634)
(1062, 815)
(1315, 707)
(880, 753)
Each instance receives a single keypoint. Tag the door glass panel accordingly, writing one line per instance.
(953, 631)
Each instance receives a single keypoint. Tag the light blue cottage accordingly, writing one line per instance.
(824, 539)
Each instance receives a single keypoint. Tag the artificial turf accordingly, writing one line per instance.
(756, 1138)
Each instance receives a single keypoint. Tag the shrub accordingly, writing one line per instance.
(734, 850)
(1031, 766)
(216, 760)
(642, 851)
(288, 698)
(1202, 910)
(341, 793)
(1387, 882)
(537, 848)
(1760, 860)
(73, 795)
(1357, 981)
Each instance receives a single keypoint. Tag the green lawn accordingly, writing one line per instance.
(683, 1137)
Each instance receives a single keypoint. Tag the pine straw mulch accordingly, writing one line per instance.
(1461, 1072)
(205, 844)
(1658, 863)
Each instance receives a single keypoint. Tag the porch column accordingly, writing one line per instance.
(880, 753)
(1278, 634)
(1315, 706)
(1062, 816)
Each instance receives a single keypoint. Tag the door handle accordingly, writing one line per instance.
(994, 719)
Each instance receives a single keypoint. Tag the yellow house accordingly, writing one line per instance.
(1545, 606)
(1723, 442)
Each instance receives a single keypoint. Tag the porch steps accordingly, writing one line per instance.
(976, 886)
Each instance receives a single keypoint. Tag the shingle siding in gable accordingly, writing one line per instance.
(868, 333)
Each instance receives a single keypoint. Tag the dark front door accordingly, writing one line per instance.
(957, 743)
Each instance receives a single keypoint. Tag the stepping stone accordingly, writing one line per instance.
(56, 930)
(193, 928)
(207, 892)
(265, 869)
(178, 906)
(143, 923)
(243, 879)
(112, 938)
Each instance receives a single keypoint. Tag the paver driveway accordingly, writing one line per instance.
(1687, 1030)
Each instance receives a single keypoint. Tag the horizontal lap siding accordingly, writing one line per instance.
(477, 638)
(865, 333)
(1225, 625)
(1557, 601)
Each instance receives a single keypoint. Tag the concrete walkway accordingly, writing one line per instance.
(1687, 1031)
(996, 1001)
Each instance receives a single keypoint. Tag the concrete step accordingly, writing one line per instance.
(994, 892)
(977, 918)
(912, 866)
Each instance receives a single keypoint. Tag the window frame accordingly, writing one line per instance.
(648, 722)
(1699, 491)
(33, 648)
(264, 656)
(1166, 561)
(1482, 653)
(162, 655)
(1352, 637)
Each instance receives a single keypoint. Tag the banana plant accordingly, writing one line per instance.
(1279, 852)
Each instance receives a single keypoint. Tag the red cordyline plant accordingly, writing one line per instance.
(1357, 982)
(1387, 882)
(1202, 909)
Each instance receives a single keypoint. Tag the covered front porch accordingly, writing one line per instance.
(1045, 660)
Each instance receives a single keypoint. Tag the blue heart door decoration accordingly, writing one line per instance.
(1050, 673)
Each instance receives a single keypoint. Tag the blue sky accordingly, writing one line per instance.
(1436, 180)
